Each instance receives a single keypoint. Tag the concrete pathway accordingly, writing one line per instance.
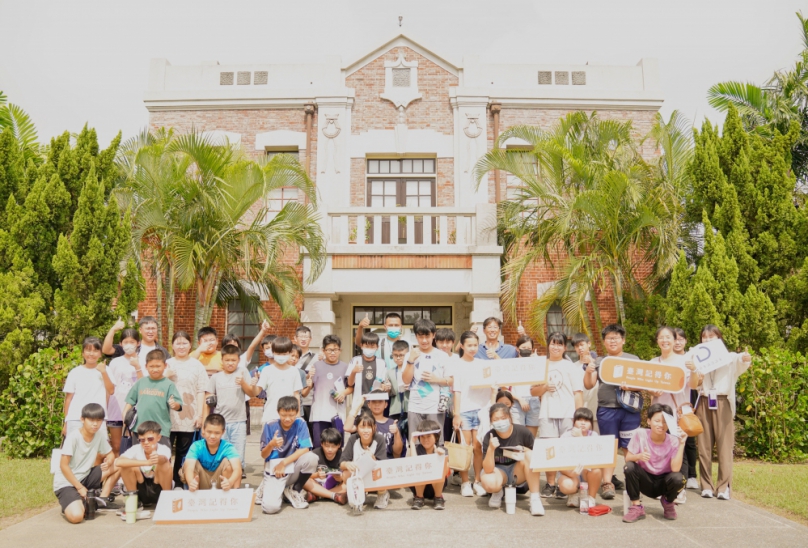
(466, 522)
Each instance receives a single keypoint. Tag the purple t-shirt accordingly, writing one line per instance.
(323, 406)
(661, 453)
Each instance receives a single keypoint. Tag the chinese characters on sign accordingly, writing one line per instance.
(405, 472)
(208, 506)
(569, 453)
(643, 375)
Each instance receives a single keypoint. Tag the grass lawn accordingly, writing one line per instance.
(27, 484)
(780, 488)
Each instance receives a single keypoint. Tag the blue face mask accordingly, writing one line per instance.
(393, 332)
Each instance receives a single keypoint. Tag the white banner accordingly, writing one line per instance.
(510, 372)
(569, 453)
(204, 506)
(395, 473)
(710, 356)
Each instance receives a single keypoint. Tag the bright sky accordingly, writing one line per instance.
(86, 61)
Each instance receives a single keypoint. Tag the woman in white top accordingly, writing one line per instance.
(666, 339)
(719, 429)
(124, 371)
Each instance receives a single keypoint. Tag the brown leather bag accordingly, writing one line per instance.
(689, 423)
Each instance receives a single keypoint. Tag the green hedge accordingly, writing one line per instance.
(31, 406)
(772, 407)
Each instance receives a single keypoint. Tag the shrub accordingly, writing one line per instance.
(31, 407)
(772, 406)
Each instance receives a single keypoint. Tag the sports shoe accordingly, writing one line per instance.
(341, 499)
(455, 479)
(607, 490)
(259, 495)
(707, 494)
(382, 500)
(496, 499)
(466, 489)
(692, 483)
(417, 503)
(681, 498)
(548, 490)
(536, 507)
(668, 508)
(635, 513)
(723, 495)
(479, 489)
(296, 498)
(559, 494)
(311, 497)
(573, 501)
(440, 503)
(618, 484)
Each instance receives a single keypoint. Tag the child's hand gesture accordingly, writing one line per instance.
(351, 467)
(312, 372)
(440, 451)
(365, 322)
(277, 440)
(224, 483)
(414, 354)
(590, 365)
(386, 386)
(173, 404)
(101, 367)
(520, 330)
(358, 367)
(746, 357)
(239, 379)
(265, 328)
(193, 485)
(309, 382)
(494, 441)
(134, 361)
(118, 325)
(393, 428)
(154, 458)
(491, 353)
(690, 365)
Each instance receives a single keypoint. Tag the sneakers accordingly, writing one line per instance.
(440, 503)
(619, 485)
(311, 497)
(341, 498)
(536, 507)
(382, 500)
(681, 498)
(668, 509)
(707, 494)
(496, 499)
(466, 490)
(559, 494)
(723, 495)
(607, 490)
(259, 495)
(692, 483)
(573, 501)
(297, 498)
(635, 513)
(548, 490)
(455, 479)
(479, 489)
(417, 503)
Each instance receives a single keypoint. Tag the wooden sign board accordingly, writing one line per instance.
(569, 453)
(643, 375)
(710, 356)
(204, 506)
(406, 472)
(510, 372)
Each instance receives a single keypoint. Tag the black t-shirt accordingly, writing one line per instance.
(519, 436)
(368, 375)
(323, 461)
(348, 452)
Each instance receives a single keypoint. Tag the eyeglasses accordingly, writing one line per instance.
(149, 439)
(613, 339)
(331, 350)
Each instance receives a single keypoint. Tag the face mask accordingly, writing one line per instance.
(501, 426)
(525, 352)
(394, 332)
(268, 354)
(282, 359)
(129, 348)
(369, 352)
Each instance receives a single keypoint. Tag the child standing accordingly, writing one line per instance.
(206, 352)
(124, 371)
(373, 370)
(155, 396)
(400, 392)
(279, 379)
(146, 467)
(587, 358)
(87, 383)
(329, 388)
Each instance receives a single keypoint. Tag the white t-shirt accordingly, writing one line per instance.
(278, 383)
(471, 399)
(123, 376)
(191, 379)
(567, 379)
(136, 452)
(425, 396)
(82, 454)
(87, 386)
(141, 356)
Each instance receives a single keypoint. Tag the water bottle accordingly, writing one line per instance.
(131, 506)
(583, 498)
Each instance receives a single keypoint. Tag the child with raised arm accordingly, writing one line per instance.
(146, 467)
(327, 482)
(77, 473)
(87, 383)
(212, 460)
(570, 480)
(286, 448)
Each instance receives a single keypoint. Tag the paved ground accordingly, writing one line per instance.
(465, 522)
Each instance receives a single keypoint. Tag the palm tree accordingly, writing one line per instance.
(589, 206)
(200, 217)
(22, 127)
(776, 105)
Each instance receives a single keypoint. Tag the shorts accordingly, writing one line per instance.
(115, 424)
(470, 420)
(148, 492)
(68, 495)
(507, 469)
(527, 418)
(619, 423)
(554, 428)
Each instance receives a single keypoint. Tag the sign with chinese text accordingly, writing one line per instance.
(204, 506)
(395, 473)
(510, 372)
(710, 356)
(569, 453)
(643, 375)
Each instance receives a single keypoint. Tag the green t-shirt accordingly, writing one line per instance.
(151, 399)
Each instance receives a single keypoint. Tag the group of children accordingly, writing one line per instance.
(194, 407)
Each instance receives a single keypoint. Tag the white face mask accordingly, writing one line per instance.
(282, 359)
(369, 352)
(268, 353)
(129, 348)
(501, 425)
